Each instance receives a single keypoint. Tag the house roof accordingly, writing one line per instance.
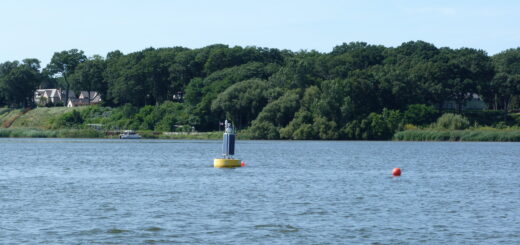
(77, 102)
(52, 93)
(94, 96)
(72, 94)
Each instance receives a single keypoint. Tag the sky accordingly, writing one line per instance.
(38, 28)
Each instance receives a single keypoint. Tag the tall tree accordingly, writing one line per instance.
(88, 76)
(18, 81)
(506, 83)
(64, 64)
(465, 71)
(242, 101)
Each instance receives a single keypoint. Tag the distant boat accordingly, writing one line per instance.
(129, 134)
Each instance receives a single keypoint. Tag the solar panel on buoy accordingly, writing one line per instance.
(228, 148)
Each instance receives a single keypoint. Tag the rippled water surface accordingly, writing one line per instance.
(71, 191)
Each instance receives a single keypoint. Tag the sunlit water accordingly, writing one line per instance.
(68, 191)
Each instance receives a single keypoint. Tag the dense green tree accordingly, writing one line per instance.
(419, 114)
(18, 81)
(375, 126)
(88, 76)
(300, 127)
(506, 83)
(353, 56)
(281, 111)
(200, 93)
(127, 81)
(465, 71)
(64, 64)
(357, 91)
(242, 101)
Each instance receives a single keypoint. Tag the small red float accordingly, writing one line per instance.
(243, 164)
(396, 172)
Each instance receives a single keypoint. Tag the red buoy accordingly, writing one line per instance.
(396, 172)
(243, 164)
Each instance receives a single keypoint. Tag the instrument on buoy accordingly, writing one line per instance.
(228, 149)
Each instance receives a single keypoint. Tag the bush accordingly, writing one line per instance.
(374, 126)
(166, 124)
(263, 130)
(327, 130)
(488, 118)
(507, 135)
(69, 119)
(301, 117)
(451, 121)
(304, 132)
(420, 114)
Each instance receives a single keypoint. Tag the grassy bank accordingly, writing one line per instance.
(41, 117)
(502, 135)
(91, 133)
(182, 136)
(8, 116)
(58, 133)
(41, 123)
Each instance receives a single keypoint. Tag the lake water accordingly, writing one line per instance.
(76, 191)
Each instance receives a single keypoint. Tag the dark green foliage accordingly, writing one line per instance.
(419, 114)
(299, 127)
(242, 101)
(63, 64)
(168, 117)
(69, 119)
(263, 130)
(18, 81)
(500, 92)
(88, 76)
(357, 91)
(281, 111)
(326, 129)
(374, 126)
(489, 118)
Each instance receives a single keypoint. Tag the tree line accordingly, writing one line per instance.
(276, 93)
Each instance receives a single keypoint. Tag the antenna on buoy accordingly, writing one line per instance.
(228, 149)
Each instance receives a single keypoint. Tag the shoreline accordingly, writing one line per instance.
(416, 135)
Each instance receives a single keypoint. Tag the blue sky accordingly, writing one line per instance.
(37, 29)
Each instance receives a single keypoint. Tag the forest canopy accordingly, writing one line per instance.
(356, 91)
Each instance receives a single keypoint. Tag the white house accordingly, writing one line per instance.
(44, 96)
(53, 95)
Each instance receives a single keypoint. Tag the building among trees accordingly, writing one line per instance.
(85, 98)
(53, 96)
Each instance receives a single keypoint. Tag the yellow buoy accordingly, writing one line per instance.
(228, 150)
(226, 163)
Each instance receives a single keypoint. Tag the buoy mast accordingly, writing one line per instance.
(228, 147)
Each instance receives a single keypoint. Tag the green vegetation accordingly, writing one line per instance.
(41, 117)
(459, 135)
(8, 116)
(39, 133)
(355, 92)
(451, 121)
